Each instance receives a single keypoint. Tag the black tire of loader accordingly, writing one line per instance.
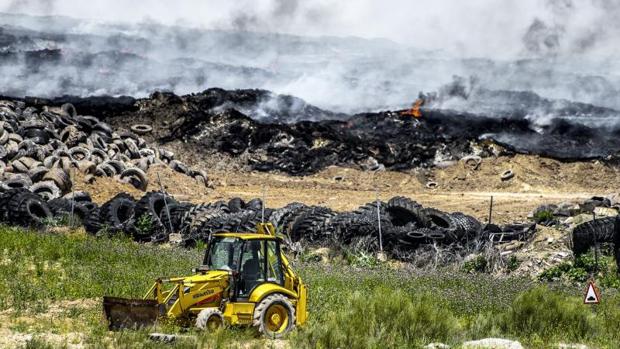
(438, 220)
(92, 222)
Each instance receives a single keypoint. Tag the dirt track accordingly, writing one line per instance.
(537, 181)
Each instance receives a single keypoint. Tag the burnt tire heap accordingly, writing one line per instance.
(41, 150)
(405, 224)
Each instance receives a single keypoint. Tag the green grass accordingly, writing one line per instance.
(367, 305)
(54, 267)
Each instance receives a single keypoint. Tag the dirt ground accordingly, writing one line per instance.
(537, 181)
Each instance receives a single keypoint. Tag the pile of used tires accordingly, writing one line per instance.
(40, 150)
(404, 224)
(597, 233)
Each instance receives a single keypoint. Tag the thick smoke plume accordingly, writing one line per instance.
(341, 56)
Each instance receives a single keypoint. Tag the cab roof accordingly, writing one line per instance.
(246, 236)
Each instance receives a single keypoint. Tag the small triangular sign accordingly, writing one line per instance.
(592, 294)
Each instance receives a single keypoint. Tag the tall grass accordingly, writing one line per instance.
(544, 314)
(35, 266)
(382, 319)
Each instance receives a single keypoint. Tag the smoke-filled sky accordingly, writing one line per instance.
(487, 28)
(558, 49)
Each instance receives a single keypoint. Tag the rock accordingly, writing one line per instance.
(493, 343)
(175, 238)
(605, 212)
(582, 218)
(511, 246)
(162, 337)
(437, 346)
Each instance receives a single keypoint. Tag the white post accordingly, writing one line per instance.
(262, 219)
(379, 221)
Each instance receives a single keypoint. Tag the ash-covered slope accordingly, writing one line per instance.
(211, 122)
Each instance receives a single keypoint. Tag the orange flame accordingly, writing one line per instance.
(415, 110)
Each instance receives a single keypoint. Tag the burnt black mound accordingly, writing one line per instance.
(260, 128)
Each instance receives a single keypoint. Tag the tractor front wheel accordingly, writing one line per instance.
(274, 316)
(210, 319)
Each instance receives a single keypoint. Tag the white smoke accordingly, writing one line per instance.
(563, 49)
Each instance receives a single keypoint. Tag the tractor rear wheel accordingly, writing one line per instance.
(210, 319)
(274, 316)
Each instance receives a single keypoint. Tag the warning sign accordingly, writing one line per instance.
(593, 295)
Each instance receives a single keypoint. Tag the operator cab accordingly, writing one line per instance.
(251, 261)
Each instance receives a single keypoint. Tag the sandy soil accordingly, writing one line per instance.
(537, 181)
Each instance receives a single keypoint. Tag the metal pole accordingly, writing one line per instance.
(595, 246)
(71, 220)
(491, 210)
(161, 188)
(262, 218)
(379, 221)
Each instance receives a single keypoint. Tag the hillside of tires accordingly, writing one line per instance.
(120, 178)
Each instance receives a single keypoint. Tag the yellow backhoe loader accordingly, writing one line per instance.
(245, 279)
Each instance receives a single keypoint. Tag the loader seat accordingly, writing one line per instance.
(250, 274)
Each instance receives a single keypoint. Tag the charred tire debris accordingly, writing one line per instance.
(304, 140)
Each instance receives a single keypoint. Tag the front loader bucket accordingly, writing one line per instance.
(130, 313)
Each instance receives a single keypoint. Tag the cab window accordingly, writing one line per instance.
(223, 254)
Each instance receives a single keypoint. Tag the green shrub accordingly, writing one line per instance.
(144, 224)
(36, 343)
(513, 263)
(543, 216)
(382, 319)
(479, 264)
(583, 267)
(546, 314)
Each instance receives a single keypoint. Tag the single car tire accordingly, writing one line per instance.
(507, 175)
(472, 162)
(135, 177)
(141, 129)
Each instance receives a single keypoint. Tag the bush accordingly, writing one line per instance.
(479, 265)
(582, 268)
(543, 216)
(543, 313)
(382, 319)
(513, 263)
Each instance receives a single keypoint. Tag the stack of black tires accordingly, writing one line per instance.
(602, 231)
(43, 149)
(404, 224)
(22, 207)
